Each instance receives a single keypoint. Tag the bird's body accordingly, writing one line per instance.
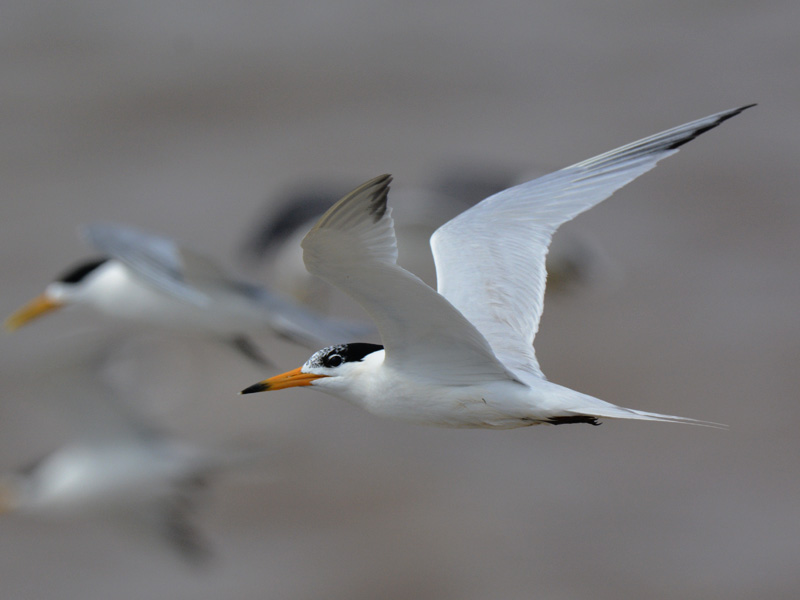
(498, 404)
(117, 291)
(147, 279)
(463, 356)
(111, 477)
(474, 400)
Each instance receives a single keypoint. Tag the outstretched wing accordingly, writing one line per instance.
(353, 247)
(490, 260)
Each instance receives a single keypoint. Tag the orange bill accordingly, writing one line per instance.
(293, 378)
(34, 309)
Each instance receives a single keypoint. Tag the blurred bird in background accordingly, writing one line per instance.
(115, 466)
(149, 279)
(573, 261)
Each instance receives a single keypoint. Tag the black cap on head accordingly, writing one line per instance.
(333, 356)
(79, 272)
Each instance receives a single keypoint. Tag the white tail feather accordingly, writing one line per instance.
(611, 411)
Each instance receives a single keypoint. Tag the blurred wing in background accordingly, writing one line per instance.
(417, 213)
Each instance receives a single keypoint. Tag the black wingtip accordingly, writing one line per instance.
(380, 194)
(375, 191)
(733, 112)
(255, 388)
(721, 118)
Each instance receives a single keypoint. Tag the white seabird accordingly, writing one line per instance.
(463, 356)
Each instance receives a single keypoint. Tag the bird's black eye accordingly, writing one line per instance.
(334, 356)
(334, 360)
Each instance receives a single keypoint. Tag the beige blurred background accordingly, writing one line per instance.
(187, 117)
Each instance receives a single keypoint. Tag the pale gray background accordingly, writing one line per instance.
(184, 116)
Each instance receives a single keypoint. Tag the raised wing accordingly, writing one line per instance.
(490, 260)
(353, 247)
(157, 260)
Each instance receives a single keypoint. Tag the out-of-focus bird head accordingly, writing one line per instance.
(70, 288)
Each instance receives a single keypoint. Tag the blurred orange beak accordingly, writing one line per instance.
(34, 309)
(293, 378)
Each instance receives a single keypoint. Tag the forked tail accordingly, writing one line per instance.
(589, 406)
(610, 411)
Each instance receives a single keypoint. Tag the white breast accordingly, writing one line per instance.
(386, 392)
(116, 291)
(82, 479)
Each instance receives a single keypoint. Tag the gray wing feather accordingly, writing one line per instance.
(297, 323)
(490, 260)
(156, 259)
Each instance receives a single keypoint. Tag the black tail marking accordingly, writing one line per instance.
(574, 419)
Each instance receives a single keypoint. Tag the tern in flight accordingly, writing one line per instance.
(463, 356)
(147, 481)
(117, 467)
(150, 279)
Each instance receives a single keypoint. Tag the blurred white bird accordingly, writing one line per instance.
(149, 483)
(150, 279)
(463, 357)
(116, 467)
(420, 211)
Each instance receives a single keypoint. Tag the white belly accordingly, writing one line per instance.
(501, 404)
(78, 479)
(121, 294)
(498, 405)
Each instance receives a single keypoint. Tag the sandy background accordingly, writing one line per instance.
(187, 117)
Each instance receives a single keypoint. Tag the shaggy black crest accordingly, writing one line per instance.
(333, 356)
(77, 273)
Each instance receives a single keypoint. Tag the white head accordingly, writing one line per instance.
(71, 288)
(332, 369)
